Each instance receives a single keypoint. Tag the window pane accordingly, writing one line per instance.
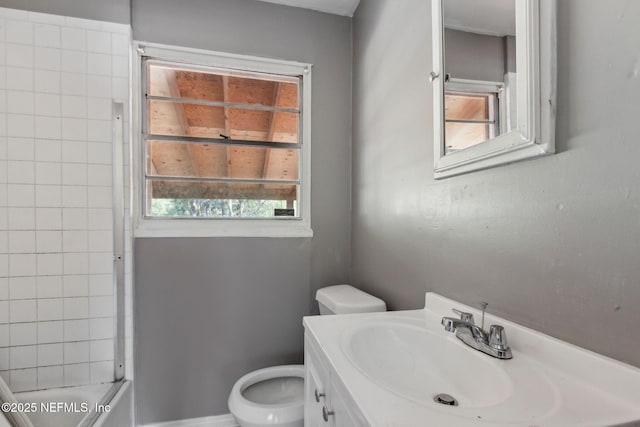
(185, 171)
(172, 82)
(221, 161)
(178, 119)
(459, 136)
(262, 92)
(466, 107)
(179, 81)
(221, 200)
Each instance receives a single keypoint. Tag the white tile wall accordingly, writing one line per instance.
(50, 332)
(50, 377)
(76, 374)
(49, 286)
(47, 104)
(23, 379)
(58, 79)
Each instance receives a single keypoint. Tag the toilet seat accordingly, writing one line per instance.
(250, 413)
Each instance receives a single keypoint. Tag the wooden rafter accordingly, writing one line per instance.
(176, 119)
(150, 187)
(174, 91)
(227, 125)
(272, 129)
(188, 190)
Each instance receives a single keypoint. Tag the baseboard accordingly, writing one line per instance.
(226, 420)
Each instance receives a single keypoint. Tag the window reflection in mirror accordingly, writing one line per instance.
(480, 67)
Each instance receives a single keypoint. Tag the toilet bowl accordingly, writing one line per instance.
(275, 396)
(269, 397)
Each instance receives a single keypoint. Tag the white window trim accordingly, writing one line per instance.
(218, 227)
(479, 86)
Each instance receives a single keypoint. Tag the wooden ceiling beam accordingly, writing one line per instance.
(271, 131)
(174, 118)
(276, 101)
(181, 190)
(149, 186)
(227, 124)
(174, 91)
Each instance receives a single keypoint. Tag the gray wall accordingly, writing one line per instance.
(474, 56)
(102, 10)
(552, 243)
(209, 310)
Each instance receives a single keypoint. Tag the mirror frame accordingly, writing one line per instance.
(534, 135)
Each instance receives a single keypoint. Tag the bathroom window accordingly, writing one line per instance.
(472, 113)
(224, 144)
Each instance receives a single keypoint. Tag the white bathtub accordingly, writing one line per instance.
(76, 406)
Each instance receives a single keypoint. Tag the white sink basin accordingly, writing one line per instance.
(393, 365)
(418, 364)
(401, 358)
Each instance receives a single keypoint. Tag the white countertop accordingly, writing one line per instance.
(587, 389)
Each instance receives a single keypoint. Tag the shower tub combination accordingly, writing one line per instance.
(106, 404)
(76, 150)
(99, 405)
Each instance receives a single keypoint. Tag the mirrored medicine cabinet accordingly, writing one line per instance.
(494, 68)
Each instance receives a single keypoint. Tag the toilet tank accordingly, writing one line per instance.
(345, 299)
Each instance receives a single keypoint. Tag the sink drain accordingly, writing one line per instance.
(445, 399)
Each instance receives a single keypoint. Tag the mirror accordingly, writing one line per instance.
(480, 70)
(492, 70)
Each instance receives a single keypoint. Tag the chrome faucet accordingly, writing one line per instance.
(493, 343)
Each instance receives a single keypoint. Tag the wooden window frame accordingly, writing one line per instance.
(145, 226)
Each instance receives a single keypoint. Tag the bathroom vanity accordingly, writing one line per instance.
(327, 400)
(403, 368)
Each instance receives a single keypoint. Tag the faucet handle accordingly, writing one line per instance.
(464, 316)
(498, 337)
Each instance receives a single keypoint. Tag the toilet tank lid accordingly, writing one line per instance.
(343, 299)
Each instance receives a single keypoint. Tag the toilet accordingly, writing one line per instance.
(275, 396)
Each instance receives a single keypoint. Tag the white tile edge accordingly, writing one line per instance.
(226, 420)
(62, 20)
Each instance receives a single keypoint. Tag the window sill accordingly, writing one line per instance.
(222, 228)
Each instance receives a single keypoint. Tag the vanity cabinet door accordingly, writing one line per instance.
(315, 398)
(340, 416)
(345, 411)
(327, 403)
(316, 386)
